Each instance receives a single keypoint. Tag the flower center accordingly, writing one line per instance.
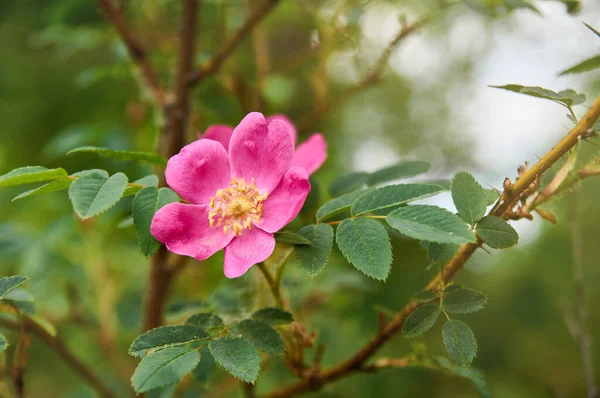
(236, 207)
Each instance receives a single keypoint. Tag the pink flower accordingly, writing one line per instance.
(237, 199)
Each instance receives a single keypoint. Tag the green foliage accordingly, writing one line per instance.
(93, 194)
(474, 376)
(439, 253)
(147, 181)
(116, 154)
(491, 196)
(398, 171)
(147, 202)
(464, 301)
(421, 320)
(430, 223)
(338, 205)
(56, 185)
(237, 356)
(424, 297)
(469, 197)
(348, 183)
(3, 343)
(496, 232)
(207, 366)
(273, 316)
(313, 257)
(210, 323)
(460, 342)
(566, 98)
(29, 174)
(164, 367)
(393, 196)
(9, 283)
(261, 336)
(366, 245)
(166, 336)
(163, 392)
(21, 299)
(587, 65)
(291, 238)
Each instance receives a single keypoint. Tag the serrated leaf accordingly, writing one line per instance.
(393, 196)
(3, 343)
(460, 342)
(424, 297)
(464, 301)
(148, 157)
(405, 169)
(261, 336)
(206, 367)
(147, 181)
(164, 367)
(496, 232)
(93, 194)
(147, 202)
(468, 197)
(273, 316)
(491, 196)
(166, 336)
(566, 98)
(584, 66)
(348, 183)
(29, 174)
(56, 185)
(9, 283)
(421, 320)
(439, 253)
(366, 245)
(237, 356)
(210, 323)
(313, 257)
(430, 223)
(338, 205)
(291, 238)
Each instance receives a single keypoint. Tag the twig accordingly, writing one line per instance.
(213, 66)
(79, 367)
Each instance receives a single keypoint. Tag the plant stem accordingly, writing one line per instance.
(275, 291)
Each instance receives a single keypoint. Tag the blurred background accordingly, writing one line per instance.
(66, 81)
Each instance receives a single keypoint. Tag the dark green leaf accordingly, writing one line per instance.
(496, 232)
(206, 367)
(149, 157)
(261, 336)
(163, 392)
(424, 297)
(348, 183)
(464, 301)
(56, 185)
(210, 323)
(273, 316)
(439, 253)
(291, 238)
(8, 283)
(314, 257)
(164, 367)
(147, 202)
(29, 174)
(166, 336)
(468, 197)
(584, 66)
(237, 356)
(338, 205)
(421, 320)
(93, 194)
(406, 169)
(460, 342)
(393, 196)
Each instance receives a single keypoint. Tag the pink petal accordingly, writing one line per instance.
(311, 154)
(218, 132)
(185, 230)
(261, 152)
(198, 171)
(250, 248)
(288, 122)
(283, 205)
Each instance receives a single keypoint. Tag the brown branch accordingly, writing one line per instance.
(135, 49)
(213, 66)
(63, 351)
(357, 361)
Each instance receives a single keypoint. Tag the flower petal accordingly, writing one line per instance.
(218, 132)
(288, 122)
(198, 171)
(185, 230)
(283, 205)
(261, 152)
(250, 248)
(311, 154)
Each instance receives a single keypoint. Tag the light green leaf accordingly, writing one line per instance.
(147, 202)
(366, 245)
(9, 283)
(566, 98)
(56, 185)
(430, 223)
(393, 196)
(424, 297)
(464, 301)
(338, 205)
(496, 232)
(491, 196)
(460, 342)
(421, 320)
(148, 157)
(273, 316)
(261, 336)
(237, 356)
(584, 66)
(93, 194)
(405, 169)
(164, 367)
(313, 257)
(166, 336)
(148, 181)
(29, 174)
(3, 343)
(468, 197)
(291, 238)
(210, 323)
(348, 183)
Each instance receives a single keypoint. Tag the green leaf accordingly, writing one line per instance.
(439, 253)
(206, 367)
(406, 169)
(393, 196)
(9, 283)
(464, 301)
(82, 173)
(421, 320)
(147, 202)
(164, 367)
(56, 185)
(566, 98)
(261, 336)
(496, 232)
(273, 316)
(3, 343)
(338, 205)
(348, 183)
(148, 181)
(237, 356)
(210, 323)
(163, 392)
(314, 257)
(491, 196)
(430, 223)
(366, 245)
(166, 336)
(584, 66)
(424, 297)
(29, 174)
(148, 157)
(474, 376)
(468, 197)
(93, 194)
(291, 238)
(460, 342)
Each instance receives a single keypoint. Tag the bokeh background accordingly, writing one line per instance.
(66, 81)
